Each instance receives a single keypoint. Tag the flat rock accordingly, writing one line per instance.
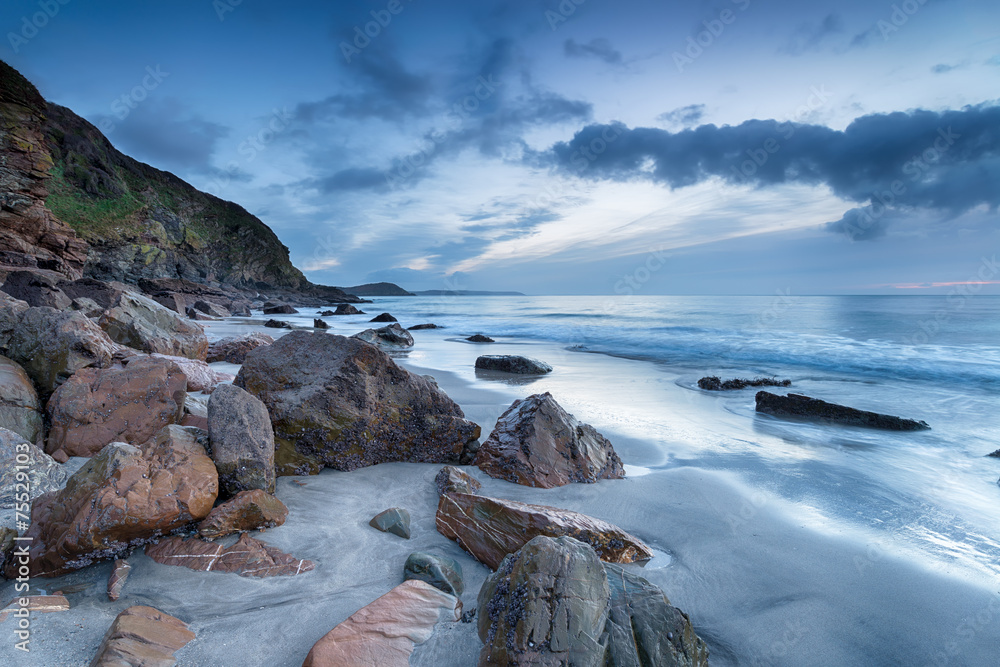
(715, 383)
(507, 363)
(20, 409)
(797, 405)
(116, 582)
(537, 443)
(394, 520)
(142, 637)
(124, 496)
(234, 349)
(248, 510)
(97, 406)
(247, 558)
(480, 338)
(440, 572)
(17, 455)
(342, 403)
(385, 632)
(491, 528)
(280, 309)
(145, 325)
(392, 337)
(452, 480)
(242, 438)
(383, 317)
(421, 327)
(37, 604)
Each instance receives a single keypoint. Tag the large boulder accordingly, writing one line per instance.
(799, 406)
(145, 325)
(234, 349)
(342, 403)
(105, 294)
(20, 410)
(391, 337)
(644, 629)
(537, 443)
(40, 472)
(385, 632)
(247, 558)
(52, 345)
(491, 528)
(124, 496)
(239, 429)
(142, 637)
(509, 363)
(118, 404)
(200, 376)
(248, 510)
(547, 604)
(37, 289)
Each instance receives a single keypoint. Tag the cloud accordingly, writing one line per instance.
(688, 115)
(599, 48)
(947, 161)
(810, 36)
(944, 68)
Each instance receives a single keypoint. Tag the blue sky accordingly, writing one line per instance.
(739, 146)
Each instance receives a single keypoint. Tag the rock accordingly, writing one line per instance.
(277, 324)
(234, 349)
(20, 410)
(116, 582)
(452, 480)
(420, 327)
(279, 309)
(17, 455)
(211, 309)
(797, 405)
(384, 317)
(394, 520)
(131, 404)
(547, 604)
(995, 454)
(644, 629)
(392, 336)
(173, 301)
(195, 413)
(200, 376)
(37, 604)
(247, 558)
(124, 496)
(198, 316)
(507, 363)
(88, 307)
(440, 572)
(326, 313)
(248, 510)
(491, 528)
(145, 325)
(347, 309)
(342, 403)
(537, 443)
(479, 338)
(385, 632)
(242, 441)
(320, 324)
(52, 345)
(7, 543)
(36, 289)
(714, 383)
(104, 294)
(142, 637)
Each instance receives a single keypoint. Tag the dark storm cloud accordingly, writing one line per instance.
(599, 48)
(810, 36)
(688, 115)
(948, 161)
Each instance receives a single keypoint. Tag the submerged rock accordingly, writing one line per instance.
(420, 327)
(41, 473)
(142, 637)
(384, 632)
(247, 558)
(537, 443)
(506, 363)
(248, 510)
(242, 440)
(797, 405)
(392, 336)
(234, 349)
(277, 324)
(440, 572)
(130, 404)
(480, 338)
(147, 326)
(714, 383)
(995, 454)
(452, 480)
(394, 520)
(20, 409)
(491, 528)
(345, 404)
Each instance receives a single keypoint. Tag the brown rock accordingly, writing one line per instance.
(211, 309)
(174, 301)
(20, 410)
(124, 496)
(145, 325)
(342, 403)
(537, 443)
(142, 637)
(491, 528)
(249, 510)
(385, 632)
(37, 604)
(247, 558)
(452, 480)
(200, 376)
(130, 404)
(234, 349)
(37, 289)
(116, 582)
(105, 294)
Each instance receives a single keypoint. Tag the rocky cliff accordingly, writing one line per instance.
(72, 203)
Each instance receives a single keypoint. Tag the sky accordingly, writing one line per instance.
(563, 146)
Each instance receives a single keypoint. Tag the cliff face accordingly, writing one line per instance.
(78, 205)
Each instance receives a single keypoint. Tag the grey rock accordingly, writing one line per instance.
(279, 309)
(480, 338)
(507, 363)
(320, 324)
(20, 410)
(147, 326)
(383, 317)
(439, 571)
(421, 327)
(797, 405)
(242, 441)
(394, 520)
(37, 289)
(87, 306)
(347, 309)
(452, 480)
(44, 474)
(277, 324)
(392, 336)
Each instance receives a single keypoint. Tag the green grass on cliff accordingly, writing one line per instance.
(90, 217)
